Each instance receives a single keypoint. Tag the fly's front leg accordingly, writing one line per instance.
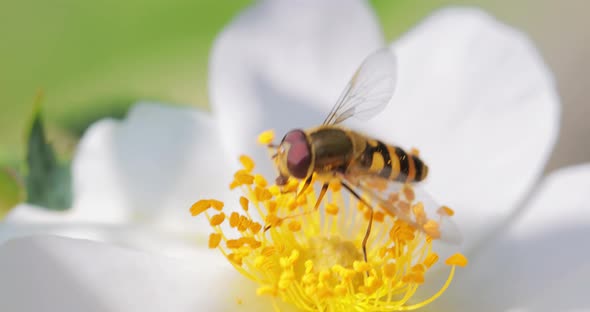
(317, 204)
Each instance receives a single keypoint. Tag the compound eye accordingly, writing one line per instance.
(298, 155)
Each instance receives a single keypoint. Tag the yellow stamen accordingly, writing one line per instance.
(266, 137)
(432, 228)
(294, 226)
(457, 259)
(332, 209)
(379, 216)
(202, 205)
(431, 260)
(214, 240)
(389, 270)
(199, 207)
(409, 192)
(313, 260)
(217, 219)
(446, 211)
(217, 205)
(255, 227)
(247, 162)
(244, 203)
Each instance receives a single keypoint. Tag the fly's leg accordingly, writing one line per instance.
(269, 226)
(370, 225)
(282, 181)
(322, 193)
(317, 203)
(304, 187)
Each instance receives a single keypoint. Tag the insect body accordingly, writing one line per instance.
(331, 151)
(328, 150)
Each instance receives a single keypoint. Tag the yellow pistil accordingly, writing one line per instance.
(313, 260)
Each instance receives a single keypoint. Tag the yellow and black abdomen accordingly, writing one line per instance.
(392, 162)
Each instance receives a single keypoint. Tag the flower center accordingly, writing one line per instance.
(313, 259)
(326, 252)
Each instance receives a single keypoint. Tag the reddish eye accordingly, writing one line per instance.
(299, 155)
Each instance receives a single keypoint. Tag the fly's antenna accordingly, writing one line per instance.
(273, 150)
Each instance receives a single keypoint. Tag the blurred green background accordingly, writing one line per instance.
(94, 59)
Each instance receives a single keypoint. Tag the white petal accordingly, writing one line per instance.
(540, 261)
(97, 190)
(282, 64)
(140, 237)
(56, 274)
(151, 167)
(477, 100)
(25, 212)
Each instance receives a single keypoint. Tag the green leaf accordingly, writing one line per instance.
(48, 183)
(11, 191)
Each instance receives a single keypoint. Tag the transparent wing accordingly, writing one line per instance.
(410, 203)
(370, 89)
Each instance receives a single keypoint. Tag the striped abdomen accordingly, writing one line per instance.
(391, 162)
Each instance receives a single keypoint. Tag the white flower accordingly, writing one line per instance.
(472, 94)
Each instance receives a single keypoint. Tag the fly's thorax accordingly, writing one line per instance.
(332, 149)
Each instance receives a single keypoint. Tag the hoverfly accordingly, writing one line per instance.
(358, 162)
